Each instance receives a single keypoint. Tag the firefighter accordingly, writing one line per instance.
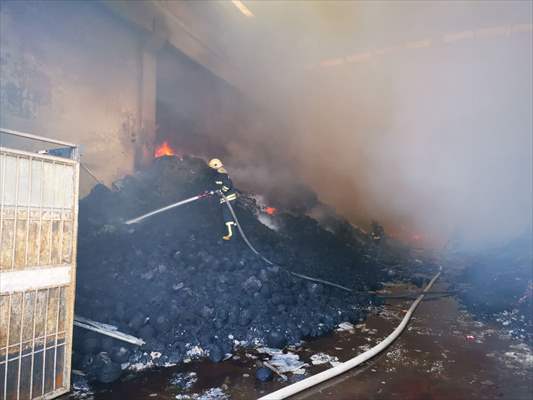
(225, 185)
(378, 233)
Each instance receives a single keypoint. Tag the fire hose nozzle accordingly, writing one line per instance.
(209, 193)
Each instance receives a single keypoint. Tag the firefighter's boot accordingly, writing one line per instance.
(229, 225)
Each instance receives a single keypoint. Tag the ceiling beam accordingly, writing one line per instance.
(152, 17)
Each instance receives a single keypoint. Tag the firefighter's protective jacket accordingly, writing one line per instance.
(224, 184)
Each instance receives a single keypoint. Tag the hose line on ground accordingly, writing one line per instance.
(345, 366)
(354, 362)
(245, 238)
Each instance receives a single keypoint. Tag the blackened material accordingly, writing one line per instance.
(173, 282)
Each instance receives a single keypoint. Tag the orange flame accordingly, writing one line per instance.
(271, 210)
(164, 149)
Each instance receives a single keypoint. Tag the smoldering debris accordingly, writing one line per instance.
(323, 358)
(498, 286)
(81, 388)
(209, 394)
(188, 294)
(184, 381)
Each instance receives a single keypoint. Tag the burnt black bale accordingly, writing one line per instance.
(172, 281)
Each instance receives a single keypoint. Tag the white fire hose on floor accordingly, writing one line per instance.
(314, 380)
(345, 366)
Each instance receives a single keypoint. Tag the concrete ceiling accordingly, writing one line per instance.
(281, 36)
(287, 37)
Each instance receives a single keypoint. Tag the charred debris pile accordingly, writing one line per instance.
(173, 282)
(498, 286)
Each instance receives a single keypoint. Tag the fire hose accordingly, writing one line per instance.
(314, 380)
(334, 371)
(302, 276)
(245, 238)
(173, 205)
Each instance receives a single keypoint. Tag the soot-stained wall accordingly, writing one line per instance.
(199, 113)
(73, 71)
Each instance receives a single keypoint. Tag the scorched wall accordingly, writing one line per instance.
(73, 71)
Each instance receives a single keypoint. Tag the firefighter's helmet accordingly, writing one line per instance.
(215, 163)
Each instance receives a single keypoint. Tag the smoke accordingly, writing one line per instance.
(414, 114)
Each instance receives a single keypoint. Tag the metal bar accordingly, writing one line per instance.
(28, 212)
(40, 216)
(91, 173)
(69, 300)
(61, 231)
(3, 160)
(7, 345)
(44, 343)
(34, 278)
(50, 237)
(28, 355)
(20, 343)
(55, 187)
(36, 137)
(57, 328)
(108, 330)
(53, 395)
(38, 337)
(33, 344)
(47, 157)
(16, 206)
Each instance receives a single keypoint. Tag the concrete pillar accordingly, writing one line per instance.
(147, 107)
(151, 44)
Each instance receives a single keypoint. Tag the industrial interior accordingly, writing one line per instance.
(266, 199)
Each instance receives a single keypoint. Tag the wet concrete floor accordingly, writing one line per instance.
(443, 354)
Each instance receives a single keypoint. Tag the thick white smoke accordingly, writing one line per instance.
(417, 114)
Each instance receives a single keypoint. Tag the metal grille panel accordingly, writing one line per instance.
(38, 227)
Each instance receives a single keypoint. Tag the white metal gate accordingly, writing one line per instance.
(38, 230)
